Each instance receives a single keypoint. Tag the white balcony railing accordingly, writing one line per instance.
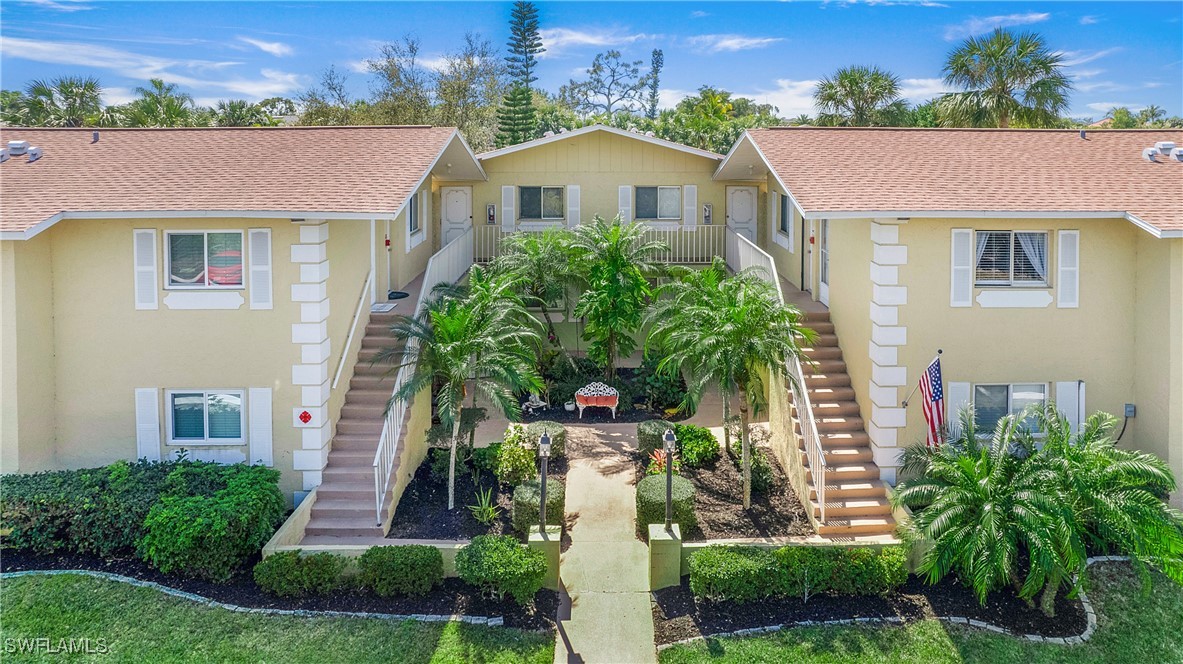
(688, 245)
(448, 265)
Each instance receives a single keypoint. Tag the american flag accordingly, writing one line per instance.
(934, 401)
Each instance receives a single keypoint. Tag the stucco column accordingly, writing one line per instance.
(310, 416)
(887, 336)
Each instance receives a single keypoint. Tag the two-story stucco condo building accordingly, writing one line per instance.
(211, 289)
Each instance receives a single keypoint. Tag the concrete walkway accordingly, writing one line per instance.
(605, 614)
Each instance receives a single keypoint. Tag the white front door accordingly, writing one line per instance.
(823, 262)
(741, 211)
(456, 215)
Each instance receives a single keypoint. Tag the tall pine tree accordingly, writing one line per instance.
(516, 120)
(654, 83)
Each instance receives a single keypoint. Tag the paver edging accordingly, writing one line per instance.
(1089, 612)
(495, 621)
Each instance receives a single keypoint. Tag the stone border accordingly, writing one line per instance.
(303, 613)
(1090, 627)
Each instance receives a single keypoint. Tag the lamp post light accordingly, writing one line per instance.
(543, 454)
(670, 440)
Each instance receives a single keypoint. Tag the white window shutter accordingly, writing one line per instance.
(773, 211)
(144, 248)
(957, 398)
(572, 205)
(147, 424)
(259, 425)
(792, 229)
(624, 200)
(1070, 402)
(260, 268)
(690, 205)
(1068, 286)
(961, 283)
(507, 207)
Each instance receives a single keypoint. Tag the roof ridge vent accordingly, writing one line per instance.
(17, 148)
(1164, 147)
(34, 154)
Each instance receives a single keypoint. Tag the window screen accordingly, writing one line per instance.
(1005, 258)
(540, 202)
(204, 260)
(413, 213)
(785, 211)
(993, 402)
(206, 416)
(658, 202)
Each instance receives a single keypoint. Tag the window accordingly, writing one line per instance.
(413, 214)
(211, 417)
(1011, 258)
(658, 202)
(540, 202)
(785, 219)
(211, 259)
(993, 402)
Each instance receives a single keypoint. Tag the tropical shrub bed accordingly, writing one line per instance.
(184, 517)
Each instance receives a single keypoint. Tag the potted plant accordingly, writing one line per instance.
(569, 406)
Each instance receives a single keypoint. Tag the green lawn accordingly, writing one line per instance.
(143, 625)
(1131, 628)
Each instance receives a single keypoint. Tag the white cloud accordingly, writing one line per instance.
(437, 63)
(1152, 84)
(191, 73)
(699, 14)
(669, 97)
(976, 25)
(730, 43)
(359, 66)
(885, 3)
(61, 5)
(1101, 86)
(1090, 20)
(117, 96)
(560, 40)
(1085, 73)
(919, 90)
(1106, 106)
(1074, 58)
(278, 49)
(791, 98)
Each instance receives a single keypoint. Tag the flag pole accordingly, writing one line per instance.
(934, 359)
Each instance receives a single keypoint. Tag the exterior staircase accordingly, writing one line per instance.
(857, 508)
(344, 505)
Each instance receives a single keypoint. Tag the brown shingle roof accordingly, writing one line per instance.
(299, 169)
(996, 170)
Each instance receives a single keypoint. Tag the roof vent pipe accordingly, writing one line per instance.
(1083, 137)
(34, 154)
(94, 137)
(1149, 154)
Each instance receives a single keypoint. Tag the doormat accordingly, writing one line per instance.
(382, 307)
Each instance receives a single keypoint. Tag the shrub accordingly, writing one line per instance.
(696, 445)
(762, 480)
(412, 570)
(558, 436)
(526, 498)
(732, 573)
(657, 463)
(651, 502)
(649, 435)
(211, 536)
(662, 390)
(484, 459)
(438, 460)
(289, 574)
(515, 461)
(499, 565)
(805, 571)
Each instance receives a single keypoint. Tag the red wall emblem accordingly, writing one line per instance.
(305, 417)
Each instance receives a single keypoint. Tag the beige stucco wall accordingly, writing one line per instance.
(788, 263)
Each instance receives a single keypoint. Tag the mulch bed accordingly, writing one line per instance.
(600, 415)
(677, 615)
(423, 513)
(454, 597)
(718, 503)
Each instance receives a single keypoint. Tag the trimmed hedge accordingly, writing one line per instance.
(289, 574)
(842, 571)
(558, 436)
(733, 573)
(516, 458)
(526, 499)
(697, 446)
(211, 536)
(743, 574)
(412, 570)
(651, 503)
(500, 565)
(649, 435)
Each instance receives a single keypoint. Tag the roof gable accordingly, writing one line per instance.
(582, 131)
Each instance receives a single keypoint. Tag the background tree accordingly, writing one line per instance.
(403, 91)
(656, 62)
(327, 103)
(240, 113)
(160, 105)
(1006, 78)
(278, 107)
(859, 97)
(542, 264)
(67, 101)
(612, 84)
(516, 121)
(1122, 118)
(467, 89)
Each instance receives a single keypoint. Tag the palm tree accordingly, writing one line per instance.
(732, 334)
(452, 342)
(1150, 115)
(68, 101)
(160, 105)
(990, 512)
(1005, 77)
(859, 97)
(240, 113)
(613, 259)
(542, 262)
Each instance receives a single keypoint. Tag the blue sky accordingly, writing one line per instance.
(1119, 53)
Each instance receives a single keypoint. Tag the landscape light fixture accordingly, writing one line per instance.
(670, 440)
(544, 454)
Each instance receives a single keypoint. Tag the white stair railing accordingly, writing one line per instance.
(361, 306)
(742, 254)
(447, 265)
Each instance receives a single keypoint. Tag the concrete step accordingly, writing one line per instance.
(846, 489)
(826, 366)
(339, 458)
(822, 393)
(362, 395)
(822, 352)
(330, 490)
(377, 370)
(837, 456)
(824, 340)
(378, 341)
(816, 316)
(855, 525)
(827, 408)
(851, 471)
(844, 439)
(365, 412)
(378, 329)
(365, 526)
(373, 380)
(821, 326)
(847, 507)
(343, 508)
(373, 428)
(355, 442)
(837, 424)
(813, 380)
(349, 474)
